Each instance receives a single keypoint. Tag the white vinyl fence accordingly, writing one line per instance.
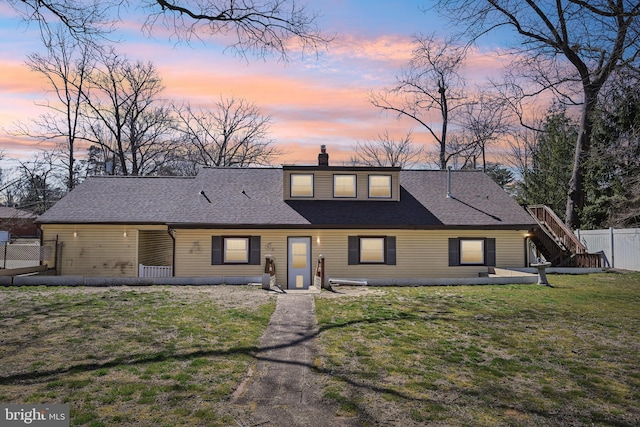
(621, 247)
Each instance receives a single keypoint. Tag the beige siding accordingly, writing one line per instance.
(155, 248)
(419, 253)
(104, 250)
(97, 250)
(323, 183)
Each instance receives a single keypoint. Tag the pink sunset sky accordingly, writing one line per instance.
(312, 100)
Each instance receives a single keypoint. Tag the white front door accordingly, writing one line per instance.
(299, 263)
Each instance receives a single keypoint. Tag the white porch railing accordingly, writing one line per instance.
(154, 271)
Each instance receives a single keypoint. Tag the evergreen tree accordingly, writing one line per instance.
(552, 160)
(501, 175)
(613, 168)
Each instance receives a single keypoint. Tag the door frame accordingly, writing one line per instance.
(308, 273)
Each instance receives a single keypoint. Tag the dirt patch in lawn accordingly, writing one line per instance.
(351, 291)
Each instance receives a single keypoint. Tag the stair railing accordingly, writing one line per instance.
(545, 215)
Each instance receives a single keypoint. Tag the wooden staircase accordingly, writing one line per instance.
(557, 243)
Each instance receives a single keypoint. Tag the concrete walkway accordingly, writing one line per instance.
(283, 390)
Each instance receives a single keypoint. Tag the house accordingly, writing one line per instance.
(367, 222)
(17, 223)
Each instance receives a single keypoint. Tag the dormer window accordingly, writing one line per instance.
(344, 186)
(380, 186)
(301, 185)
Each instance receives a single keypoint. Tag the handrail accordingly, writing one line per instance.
(270, 271)
(319, 275)
(545, 215)
(550, 248)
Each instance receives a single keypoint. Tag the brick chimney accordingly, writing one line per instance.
(323, 157)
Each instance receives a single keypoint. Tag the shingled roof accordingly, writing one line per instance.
(253, 197)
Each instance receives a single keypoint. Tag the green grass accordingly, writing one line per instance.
(519, 355)
(119, 356)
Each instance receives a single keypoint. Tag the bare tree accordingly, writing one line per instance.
(37, 189)
(125, 117)
(461, 152)
(386, 151)
(231, 133)
(66, 66)
(429, 90)
(260, 26)
(520, 147)
(84, 20)
(569, 47)
(484, 121)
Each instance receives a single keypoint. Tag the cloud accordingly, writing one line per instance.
(17, 79)
(391, 48)
(312, 101)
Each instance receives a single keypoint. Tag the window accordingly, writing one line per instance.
(472, 251)
(380, 186)
(235, 250)
(301, 185)
(372, 250)
(344, 186)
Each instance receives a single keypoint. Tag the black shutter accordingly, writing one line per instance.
(254, 248)
(454, 252)
(491, 252)
(391, 250)
(353, 250)
(216, 250)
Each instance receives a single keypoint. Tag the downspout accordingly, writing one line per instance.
(173, 251)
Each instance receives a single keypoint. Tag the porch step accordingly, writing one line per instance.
(311, 290)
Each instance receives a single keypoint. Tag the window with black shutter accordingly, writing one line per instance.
(372, 250)
(235, 250)
(472, 251)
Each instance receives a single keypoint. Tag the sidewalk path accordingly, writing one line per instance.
(283, 390)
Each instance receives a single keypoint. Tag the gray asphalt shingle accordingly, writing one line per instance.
(254, 197)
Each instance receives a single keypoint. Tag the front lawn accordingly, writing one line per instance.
(520, 355)
(156, 356)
